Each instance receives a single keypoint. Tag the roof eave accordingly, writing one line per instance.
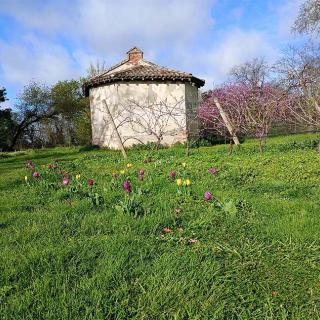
(100, 82)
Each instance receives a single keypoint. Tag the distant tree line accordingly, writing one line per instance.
(46, 116)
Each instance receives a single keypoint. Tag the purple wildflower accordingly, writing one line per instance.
(126, 186)
(65, 181)
(90, 182)
(173, 174)
(213, 171)
(207, 196)
(36, 174)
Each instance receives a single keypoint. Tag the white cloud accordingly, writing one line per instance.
(110, 26)
(236, 47)
(286, 15)
(93, 29)
(48, 17)
(35, 59)
(67, 36)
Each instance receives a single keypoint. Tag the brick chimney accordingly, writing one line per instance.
(135, 55)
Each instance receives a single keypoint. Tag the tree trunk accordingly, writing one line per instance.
(230, 147)
(187, 148)
(226, 121)
(115, 130)
(260, 144)
(16, 136)
(158, 144)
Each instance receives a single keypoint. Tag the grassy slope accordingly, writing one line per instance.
(64, 258)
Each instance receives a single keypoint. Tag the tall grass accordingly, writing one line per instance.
(65, 256)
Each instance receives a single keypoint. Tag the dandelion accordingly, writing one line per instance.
(184, 164)
(126, 186)
(173, 174)
(90, 182)
(36, 174)
(207, 196)
(213, 171)
(65, 181)
(129, 165)
(187, 182)
(78, 176)
(179, 182)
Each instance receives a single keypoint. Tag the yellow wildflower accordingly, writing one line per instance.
(179, 182)
(78, 176)
(184, 164)
(26, 178)
(187, 182)
(122, 171)
(129, 165)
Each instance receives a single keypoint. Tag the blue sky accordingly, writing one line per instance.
(51, 40)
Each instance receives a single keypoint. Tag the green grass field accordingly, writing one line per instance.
(93, 252)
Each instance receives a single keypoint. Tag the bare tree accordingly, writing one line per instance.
(308, 20)
(299, 74)
(96, 68)
(252, 73)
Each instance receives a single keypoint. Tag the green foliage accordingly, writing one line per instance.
(83, 126)
(132, 205)
(74, 113)
(3, 93)
(34, 101)
(147, 146)
(67, 98)
(7, 128)
(51, 116)
(94, 252)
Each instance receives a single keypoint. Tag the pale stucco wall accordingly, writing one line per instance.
(121, 98)
(192, 99)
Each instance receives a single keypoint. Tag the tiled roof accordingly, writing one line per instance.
(147, 71)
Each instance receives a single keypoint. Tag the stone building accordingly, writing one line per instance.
(144, 102)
